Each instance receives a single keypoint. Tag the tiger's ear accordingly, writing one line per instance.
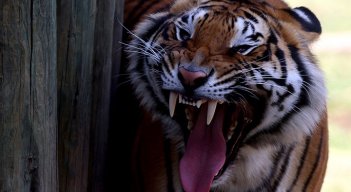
(307, 21)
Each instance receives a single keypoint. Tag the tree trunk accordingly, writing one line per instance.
(28, 103)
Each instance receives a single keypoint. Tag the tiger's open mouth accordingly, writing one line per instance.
(213, 134)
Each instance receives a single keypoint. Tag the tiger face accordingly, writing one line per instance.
(232, 81)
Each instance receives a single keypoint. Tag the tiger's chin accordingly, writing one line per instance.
(213, 133)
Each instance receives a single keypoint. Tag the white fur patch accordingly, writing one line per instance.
(302, 15)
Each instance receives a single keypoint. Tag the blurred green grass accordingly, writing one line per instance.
(337, 71)
(337, 68)
(335, 17)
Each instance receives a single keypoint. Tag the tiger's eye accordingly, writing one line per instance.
(241, 49)
(183, 34)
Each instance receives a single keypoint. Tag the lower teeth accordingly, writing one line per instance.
(189, 116)
(231, 130)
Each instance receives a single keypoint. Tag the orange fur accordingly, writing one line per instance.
(149, 159)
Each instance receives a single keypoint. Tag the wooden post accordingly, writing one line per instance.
(103, 44)
(55, 82)
(85, 39)
(124, 113)
(28, 104)
(76, 26)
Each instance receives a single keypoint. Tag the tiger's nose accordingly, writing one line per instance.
(192, 76)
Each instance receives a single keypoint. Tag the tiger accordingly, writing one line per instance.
(230, 94)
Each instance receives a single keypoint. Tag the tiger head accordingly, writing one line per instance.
(224, 76)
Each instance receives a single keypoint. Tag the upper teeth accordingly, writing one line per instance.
(172, 102)
(197, 103)
(211, 108)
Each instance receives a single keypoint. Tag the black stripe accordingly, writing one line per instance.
(140, 70)
(168, 164)
(259, 13)
(206, 7)
(278, 157)
(235, 77)
(266, 185)
(156, 25)
(301, 163)
(163, 27)
(282, 80)
(159, 106)
(247, 24)
(252, 27)
(233, 21)
(281, 57)
(272, 130)
(283, 169)
(168, 70)
(203, 20)
(165, 35)
(185, 18)
(142, 62)
(250, 17)
(254, 37)
(282, 97)
(303, 99)
(272, 39)
(242, 1)
(315, 164)
(265, 57)
(192, 17)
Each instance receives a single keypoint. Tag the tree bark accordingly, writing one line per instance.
(28, 103)
(76, 24)
(103, 43)
(56, 66)
(124, 112)
(85, 33)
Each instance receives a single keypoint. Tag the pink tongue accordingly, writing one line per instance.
(204, 154)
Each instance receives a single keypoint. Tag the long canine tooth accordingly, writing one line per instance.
(172, 102)
(198, 103)
(211, 109)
